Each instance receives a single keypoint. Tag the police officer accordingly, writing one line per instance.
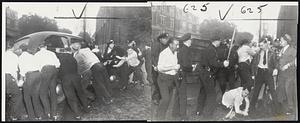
(185, 62)
(71, 84)
(115, 65)
(157, 47)
(227, 75)
(207, 95)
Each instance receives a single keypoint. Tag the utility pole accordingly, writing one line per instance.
(259, 37)
(174, 32)
(84, 26)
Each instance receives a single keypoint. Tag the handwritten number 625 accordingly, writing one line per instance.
(243, 11)
(261, 7)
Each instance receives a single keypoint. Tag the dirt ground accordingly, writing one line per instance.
(135, 104)
(220, 112)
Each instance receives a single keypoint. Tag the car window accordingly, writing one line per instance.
(22, 41)
(55, 41)
(73, 40)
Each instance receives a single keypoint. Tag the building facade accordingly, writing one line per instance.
(288, 26)
(174, 21)
(123, 24)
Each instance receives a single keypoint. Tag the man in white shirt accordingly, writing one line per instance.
(167, 78)
(30, 74)
(48, 65)
(13, 94)
(245, 53)
(87, 60)
(233, 99)
(264, 64)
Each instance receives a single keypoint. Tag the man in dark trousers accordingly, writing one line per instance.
(264, 63)
(148, 62)
(114, 65)
(71, 84)
(227, 75)
(207, 96)
(14, 97)
(30, 74)
(168, 68)
(48, 66)
(185, 62)
(287, 79)
(87, 60)
(156, 48)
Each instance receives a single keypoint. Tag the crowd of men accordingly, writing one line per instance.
(222, 64)
(32, 78)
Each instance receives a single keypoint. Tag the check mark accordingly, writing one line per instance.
(225, 14)
(81, 12)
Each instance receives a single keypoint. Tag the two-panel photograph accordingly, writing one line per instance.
(149, 61)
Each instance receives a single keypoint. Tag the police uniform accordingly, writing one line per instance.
(71, 84)
(185, 61)
(227, 75)
(207, 95)
(121, 71)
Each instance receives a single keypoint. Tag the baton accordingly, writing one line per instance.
(231, 44)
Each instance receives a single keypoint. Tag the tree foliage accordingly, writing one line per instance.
(140, 24)
(214, 29)
(243, 35)
(33, 23)
(65, 30)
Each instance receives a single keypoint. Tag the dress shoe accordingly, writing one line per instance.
(156, 102)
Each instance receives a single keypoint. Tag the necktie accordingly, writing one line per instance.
(265, 58)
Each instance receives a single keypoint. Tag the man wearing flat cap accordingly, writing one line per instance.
(157, 47)
(286, 90)
(185, 62)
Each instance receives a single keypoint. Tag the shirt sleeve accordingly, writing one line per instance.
(56, 61)
(238, 100)
(250, 51)
(20, 63)
(161, 60)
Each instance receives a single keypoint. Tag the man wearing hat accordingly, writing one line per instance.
(207, 96)
(286, 90)
(114, 65)
(156, 48)
(185, 62)
(226, 75)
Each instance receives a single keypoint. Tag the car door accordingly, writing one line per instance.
(57, 43)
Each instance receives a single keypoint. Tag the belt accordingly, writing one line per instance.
(264, 69)
(166, 74)
(205, 68)
(247, 61)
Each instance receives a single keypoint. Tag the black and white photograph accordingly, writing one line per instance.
(76, 61)
(149, 61)
(224, 61)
